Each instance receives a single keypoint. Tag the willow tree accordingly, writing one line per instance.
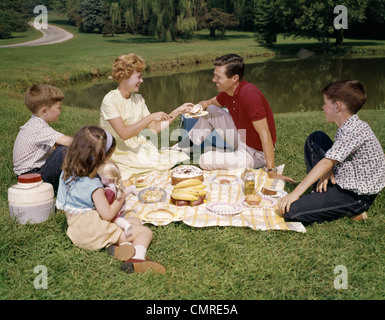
(136, 14)
(172, 19)
(115, 15)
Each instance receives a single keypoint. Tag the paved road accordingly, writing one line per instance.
(51, 35)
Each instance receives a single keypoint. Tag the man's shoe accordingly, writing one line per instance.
(142, 266)
(122, 252)
(361, 216)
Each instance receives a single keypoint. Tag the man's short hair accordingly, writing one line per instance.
(351, 92)
(38, 96)
(234, 65)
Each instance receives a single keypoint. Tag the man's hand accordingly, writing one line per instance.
(275, 175)
(285, 203)
(322, 185)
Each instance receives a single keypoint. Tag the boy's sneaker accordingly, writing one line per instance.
(361, 216)
(122, 252)
(142, 266)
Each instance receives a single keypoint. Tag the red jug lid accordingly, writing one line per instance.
(29, 178)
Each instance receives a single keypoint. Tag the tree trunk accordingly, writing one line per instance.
(340, 37)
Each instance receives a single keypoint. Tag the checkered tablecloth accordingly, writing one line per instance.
(257, 219)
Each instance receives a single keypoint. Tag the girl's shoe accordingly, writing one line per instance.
(142, 266)
(122, 252)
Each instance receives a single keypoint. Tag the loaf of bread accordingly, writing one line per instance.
(253, 199)
(159, 215)
(268, 192)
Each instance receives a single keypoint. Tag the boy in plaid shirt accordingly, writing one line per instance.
(38, 147)
(346, 175)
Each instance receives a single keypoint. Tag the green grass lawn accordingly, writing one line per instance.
(202, 263)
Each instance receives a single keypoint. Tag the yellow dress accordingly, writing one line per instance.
(137, 155)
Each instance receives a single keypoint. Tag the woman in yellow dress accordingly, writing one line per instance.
(124, 114)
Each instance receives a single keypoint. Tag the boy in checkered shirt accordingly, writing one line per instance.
(34, 149)
(346, 175)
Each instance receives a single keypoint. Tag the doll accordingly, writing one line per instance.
(114, 189)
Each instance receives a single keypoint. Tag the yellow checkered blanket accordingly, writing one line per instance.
(268, 218)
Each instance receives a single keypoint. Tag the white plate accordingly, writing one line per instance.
(266, 203)
(218, 178)
(224, 209)
(195, 115)
(280, 194)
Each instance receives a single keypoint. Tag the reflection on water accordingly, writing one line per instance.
(287, 85)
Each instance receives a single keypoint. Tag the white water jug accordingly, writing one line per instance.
(31, 200)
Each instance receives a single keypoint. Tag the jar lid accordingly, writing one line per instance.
(29, 178)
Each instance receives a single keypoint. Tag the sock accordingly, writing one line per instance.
(125, 225)
(140, 252)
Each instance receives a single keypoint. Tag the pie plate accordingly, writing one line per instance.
(266, 203)
(224, 209)
(195, 115)
(152, 195)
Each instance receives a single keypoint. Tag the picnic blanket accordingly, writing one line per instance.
(268, 218)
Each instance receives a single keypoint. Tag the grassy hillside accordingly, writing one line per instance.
(202, 263)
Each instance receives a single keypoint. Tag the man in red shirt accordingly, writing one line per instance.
(249, 122)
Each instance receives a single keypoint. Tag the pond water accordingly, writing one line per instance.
(288, 85)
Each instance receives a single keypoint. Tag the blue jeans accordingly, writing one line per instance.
(333, 204)
(51, 170)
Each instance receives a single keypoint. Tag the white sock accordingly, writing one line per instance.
(140, 252)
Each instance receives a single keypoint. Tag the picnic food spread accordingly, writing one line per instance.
(185, 172)
(218, 200)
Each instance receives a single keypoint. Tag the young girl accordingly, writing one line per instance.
(113, 188)
(89, 215)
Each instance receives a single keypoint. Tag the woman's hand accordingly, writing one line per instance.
(184, 108)
(159, 116)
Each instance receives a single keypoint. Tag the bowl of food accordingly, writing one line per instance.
(152, 195)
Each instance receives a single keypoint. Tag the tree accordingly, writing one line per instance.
(13, 18)
(115, 15)
(172, 19)
(304, 18)
(216, 19)
(91, 15)
(266, 23)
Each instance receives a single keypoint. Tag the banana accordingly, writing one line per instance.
(198, 187)
(184, 196)
(187, 183)
(191, 191)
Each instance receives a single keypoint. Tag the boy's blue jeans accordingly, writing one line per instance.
(51, 170)
(330, 205)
